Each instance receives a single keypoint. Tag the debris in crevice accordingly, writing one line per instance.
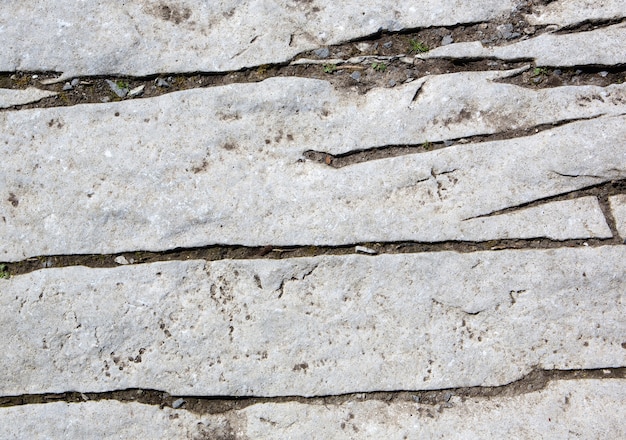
(534, 381)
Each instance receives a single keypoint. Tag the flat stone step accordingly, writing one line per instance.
(11, 97)
(141, 38)
(227, 165)
(314, 326)
(573, 12)
(561, 410)
(602, 46)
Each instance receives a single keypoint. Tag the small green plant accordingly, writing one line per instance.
(427, 145)
(4, 271)
(122, 84)
(379, 67)
(330, 68)
(417, 46)
(537, 71)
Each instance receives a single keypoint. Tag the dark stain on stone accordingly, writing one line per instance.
(13, 199)
(170, 13)
(301, 367)
(229, 146)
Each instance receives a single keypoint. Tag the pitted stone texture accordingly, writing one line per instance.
(225, 165)
(618, 207)
(11, 97)
(572, 12)
(602, 46)
(580, 408)
(314, 326)
(142, 38)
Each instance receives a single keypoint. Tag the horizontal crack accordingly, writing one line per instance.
(365, 155)
(601, 190)
(532, 382)
(222, 252)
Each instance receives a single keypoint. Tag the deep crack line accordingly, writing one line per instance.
(534, 381)
(600, 190)
(387, 151)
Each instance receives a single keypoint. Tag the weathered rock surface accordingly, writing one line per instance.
(564, 409)
(572, 12)
(314, 326)
(11, 97)
(226, 165)
(602, 46)
(618, 206)
(142, 38)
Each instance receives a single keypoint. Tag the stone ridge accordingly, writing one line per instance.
(139, 38)
(226, 166)
(314, 326)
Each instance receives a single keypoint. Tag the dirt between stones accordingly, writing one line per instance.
(437, 400)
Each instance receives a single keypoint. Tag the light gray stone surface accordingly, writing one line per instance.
(618, 206)
(314, 326)
(142, 38)
(225, 165)
(11, 97)
(590, 409)
(602, 46)
(572, 12)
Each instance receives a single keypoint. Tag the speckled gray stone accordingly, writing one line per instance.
(141, 38)
(314, 326)
(228, 165)
(603, 46)
(572, 12)
(11, 97)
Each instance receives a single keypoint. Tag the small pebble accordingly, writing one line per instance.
(506, 31)
(447, 40)
(557, 72)
(119, 91)
(322, 53)
(137, 91)
(603, 74)
(388, 44)
(160, 82)
(178, 403)
(447, 396)
(365, 250)
(67, 86)
(448, 143)
(363, 47)
(35, 76)
(75, 82)
(416, 399)
(105, 99)
(121, 260)
(578, 72)
(355, 75)
(392, 83)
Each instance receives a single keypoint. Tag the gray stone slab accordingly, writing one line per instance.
(11, 97)
(226, 165)
(602, 46)
(618, 207)
(572, 12)
(564, 409)
(314, 326)
(143, 38)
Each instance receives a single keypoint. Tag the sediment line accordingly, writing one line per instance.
(532, 382)
(387, 151)
(601, 191)
(589, 25)
(236, 252)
